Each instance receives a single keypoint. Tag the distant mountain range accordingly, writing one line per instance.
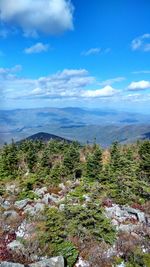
(72, 123)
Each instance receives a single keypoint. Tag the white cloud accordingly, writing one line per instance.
(7, 73)
(33, 17)
(112, 81)
(92, 51)
(107, 91)
(95, 51)
(141, 85)
(37, 48)
(69, 83)
(141, 43)
(141, 72)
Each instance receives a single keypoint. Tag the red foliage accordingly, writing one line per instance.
(107, 202)
(137, 206)
(5, 239)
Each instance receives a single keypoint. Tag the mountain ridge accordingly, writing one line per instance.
(74, 124)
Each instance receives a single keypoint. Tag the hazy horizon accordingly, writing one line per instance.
(142, 112)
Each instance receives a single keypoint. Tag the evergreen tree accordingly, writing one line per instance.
(9, 161)
(144, 153)
(94, 163)
(72, 159)
(115, 157)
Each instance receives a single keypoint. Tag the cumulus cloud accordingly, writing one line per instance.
(141, 43)
(140, 85)
(37, 48)
(66, 84)
(40, 16)
(107, 91)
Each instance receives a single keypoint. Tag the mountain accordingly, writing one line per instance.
(45, 137)
(74, 124)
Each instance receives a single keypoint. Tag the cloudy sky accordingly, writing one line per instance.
(75, 53)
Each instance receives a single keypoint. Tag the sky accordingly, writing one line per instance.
(58, 53)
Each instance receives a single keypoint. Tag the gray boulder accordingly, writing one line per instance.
(50, 198)
(52, 262)
(61, 207)
(15, 245)
(20, 204)
(10, 264)
(40, 191)
(5, 204)
(33, 210)
(11, 215)
(139, 214)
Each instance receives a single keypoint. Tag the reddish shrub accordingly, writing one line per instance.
(137, 206)
(107, 202)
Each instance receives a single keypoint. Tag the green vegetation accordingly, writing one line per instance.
(90, 175)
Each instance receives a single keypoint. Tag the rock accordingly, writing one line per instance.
(122, 264)
(25, 230)
(12, 188)
(87, 198)
(15, 245)
(46, 199)
(115, 211)
(52, 262)
(30, 210)
(10, 264)
(33, 210)
(20, 204)
(40, 191)
(21, 231)
(125, 213)
(61, 207)
(5, 205)
(115, 222)
(50, 198)
(126, 227)
(139, 214)
(39, 207)
(82, 263)
(11, 215)
(62, 186)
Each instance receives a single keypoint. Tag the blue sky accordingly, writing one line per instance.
(75, 53)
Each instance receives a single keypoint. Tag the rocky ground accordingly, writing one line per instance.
(19, 219)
